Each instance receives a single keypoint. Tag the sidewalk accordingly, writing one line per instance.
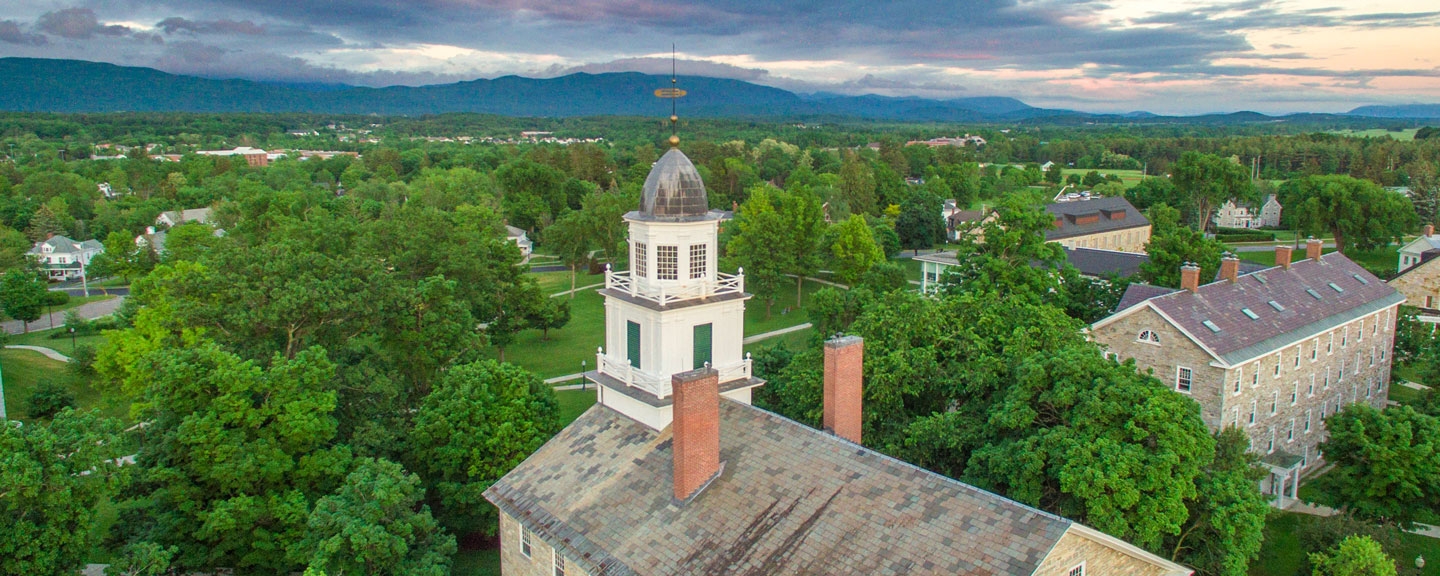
(51, 354)
(88, 311)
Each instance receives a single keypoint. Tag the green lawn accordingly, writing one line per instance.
(757, 323)
(24, 370)
(794, 341)
(1281, 554)
(60, 342)
(573, 403)
(1405, 135)
(1403, 394)
(555, 282)
(1127, 177)
(484, 562)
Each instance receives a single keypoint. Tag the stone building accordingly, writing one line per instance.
(1109, 223)
(1419, 278)
(674, 472)
(1273, 352)
(1237, 215)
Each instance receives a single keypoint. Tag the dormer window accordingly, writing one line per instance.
(1149, 337)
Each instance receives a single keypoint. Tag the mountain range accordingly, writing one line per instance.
(51, 85)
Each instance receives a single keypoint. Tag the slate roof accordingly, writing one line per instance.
(191, 215)
(790, 499)
(1240, 338)
(1137, 293)
(63, 245)
(673, 190)
(1100, 263)
(1112, 212)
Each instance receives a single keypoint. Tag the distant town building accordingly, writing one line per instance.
(674, 472)
(518, 236)
(966, 140)
(253, 156)
(173, 218)
(1419, 274)
(1090, 262)
(64, 259)
(1109, 223)
(1272, 353)
(1419, 250)
(1233, 215)
(106, 191)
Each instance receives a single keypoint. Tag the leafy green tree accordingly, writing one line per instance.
(532, 194)
(1151, 191)
(553, 314)
(760, 231)
(481, 420)
(1386, 467)
(1226, 522)
(375, 524)
(13, 246)
(23, 294)
(1173, 244)
(54, 477)
(235, 453)
(44, 224)
(569, 238)
(921, 222)
(142, 559)
(804, 224)
(1358, 213)
(1355, 556)
(47, 400)
(1055, 175)
(1206, 181)
(1012, 242)
(857, 184)
(854, 249)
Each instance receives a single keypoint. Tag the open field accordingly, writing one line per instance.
(61, 343)
(1127, 177)
(24, 370)
(1281, 554)
(1405, 135)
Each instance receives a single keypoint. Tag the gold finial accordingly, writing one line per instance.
(673, 93)
(674, 140)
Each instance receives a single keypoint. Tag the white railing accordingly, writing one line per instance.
(671, 291)
(620, 369)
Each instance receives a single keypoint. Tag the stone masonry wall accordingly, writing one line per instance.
(1174, 350)
(1127, 240)
(1099, 559)
(1290, 389)
(542, 556)
(1419, 283)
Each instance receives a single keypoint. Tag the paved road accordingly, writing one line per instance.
(88, 311)
(550, 268)
(577, 289)
(77, 292)
(1271, 247)
(51, 354)
(774, 333)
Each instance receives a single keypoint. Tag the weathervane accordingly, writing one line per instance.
(673, 93)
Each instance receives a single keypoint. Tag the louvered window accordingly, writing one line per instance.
(632, 343)
(702, 345)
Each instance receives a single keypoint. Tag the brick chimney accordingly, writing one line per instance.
(1429, 230)
(844, 369)
(1190, 276)
(1312, 248)
(1230, 267)
(696, 430)
(1282, 257)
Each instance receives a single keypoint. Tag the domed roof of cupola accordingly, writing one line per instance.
(674, 190)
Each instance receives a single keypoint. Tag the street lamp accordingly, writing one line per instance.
(582, 375)
(72, 340)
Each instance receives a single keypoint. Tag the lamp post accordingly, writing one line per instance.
(2, 399)
(72, 340)
(582, 375)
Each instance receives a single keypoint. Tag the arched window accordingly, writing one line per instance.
(1149, 337)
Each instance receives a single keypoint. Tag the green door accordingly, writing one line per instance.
(702, 345)
(632, 343)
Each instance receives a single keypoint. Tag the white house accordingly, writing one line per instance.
(1233, 215)
(1270, 212)
(63, 258)
(1420, 249)
(174, 218)
(518, 236)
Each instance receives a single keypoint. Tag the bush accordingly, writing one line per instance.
(1243, 235)
(56, 298)
(82, 361)
(48, 400)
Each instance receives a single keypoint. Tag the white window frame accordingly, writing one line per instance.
(1239, 378)
(1235, 416)
(557, 563)
(1186, 374)
(1270, 443)
(667, 267)
(1330, 348)
(527, 548)
(638, 260)
(1274, 402)
(1310, 392)
(1299, 351)
(1314, 349)
(1308, 414)
(1360, 334)
(1254, 407)
(1153, 338)
(1279, 361)
(1076, 570)
(699, 261)
(1290, 434)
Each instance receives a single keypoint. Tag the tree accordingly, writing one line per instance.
(1055, 174)
(481, 420)
(921, 222)
(854, 249)
(1206, 181)
(857, 184)
(1013, 258)
(24, 296)
(1173, 244)
(44, 224)
(142, 559)
(375, 524)
(13, 246)
(760, 231)
(54, 476)
(553, 314)
(1358, 213)
(569, 238)
(532, 194)
(1226, 522)
(1386, 467)
(1355, 556)
(804, 224)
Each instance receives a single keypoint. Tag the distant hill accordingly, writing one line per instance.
(41, 85)
(1402, 111)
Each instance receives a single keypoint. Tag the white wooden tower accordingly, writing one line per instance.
(672, 311)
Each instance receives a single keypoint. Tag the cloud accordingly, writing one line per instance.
(177, 24)
(77, 24)
(10, 32)
(662, 66)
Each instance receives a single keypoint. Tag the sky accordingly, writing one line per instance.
(1162, 56)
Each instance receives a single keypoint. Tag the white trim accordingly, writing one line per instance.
(1080, 567)
(1189, 385)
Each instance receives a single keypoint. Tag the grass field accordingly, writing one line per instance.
(1405, 135)
(1281, 555)
(1127, 177)
(24, 370)
(60, 344)
(1383, 258)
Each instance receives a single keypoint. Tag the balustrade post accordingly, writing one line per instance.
(740, 279)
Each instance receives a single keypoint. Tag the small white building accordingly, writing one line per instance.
(1233, 215)
(63, 258)
(518, 236)
(1425, 247)
(174, 218)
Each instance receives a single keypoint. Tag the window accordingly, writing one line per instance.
(1309, 392)
(639, 260)
(1278, 362)
(702, 345)
(698, 264)
(667, 262)
(632, 343)
(1270, 444)
(1149, 337)
(1307, 421)
(1239, 377)
(1183, 378)
(1340, 377)
(1324, 404)
(1314, 349)
(1255, 379)
(1331, 346)
(524, 542)
(1211, 326)
(1235, 417)
(1372, 355)
(1274, 403)
(1078, 570)
(1345, 338)
(1327, 377)
(1298, 352)
(559, 563)
(1360, 334)
(1295, 393)
(1290, 433)
(1249, 314)
(1252, 411)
